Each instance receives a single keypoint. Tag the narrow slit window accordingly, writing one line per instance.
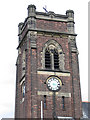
(63, 102)
(47, 59)
(44, 101)
(56, 60)
(23, 89)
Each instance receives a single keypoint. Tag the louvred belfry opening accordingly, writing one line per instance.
(56, 60)
(47, 59)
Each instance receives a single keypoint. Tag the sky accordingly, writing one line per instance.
(12, 12)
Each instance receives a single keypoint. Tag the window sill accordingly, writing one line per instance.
(54, 72)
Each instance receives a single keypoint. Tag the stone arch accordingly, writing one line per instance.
(53, 45)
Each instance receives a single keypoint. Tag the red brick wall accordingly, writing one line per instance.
(76, 86)
(51, 25)
(41, 40)
(31, 106)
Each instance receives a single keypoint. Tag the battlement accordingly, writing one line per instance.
(47, 22)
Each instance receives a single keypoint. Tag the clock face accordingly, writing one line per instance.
(54, 83)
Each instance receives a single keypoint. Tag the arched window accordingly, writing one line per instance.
(47, 59)
(52, 56)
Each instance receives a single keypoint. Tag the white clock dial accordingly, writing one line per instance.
(54, 83)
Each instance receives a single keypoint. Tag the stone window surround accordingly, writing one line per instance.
(23, 63)
(22, 82)
(53, 44)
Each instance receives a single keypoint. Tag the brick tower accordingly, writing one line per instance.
(47, 80)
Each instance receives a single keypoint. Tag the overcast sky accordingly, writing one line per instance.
(14, 11)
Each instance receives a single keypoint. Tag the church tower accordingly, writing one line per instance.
(47, 80)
